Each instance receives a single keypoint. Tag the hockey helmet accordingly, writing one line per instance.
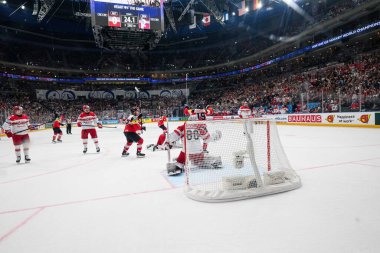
(17, 110)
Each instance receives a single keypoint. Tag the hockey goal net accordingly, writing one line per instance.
(229, 160)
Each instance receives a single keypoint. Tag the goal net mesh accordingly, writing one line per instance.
(235, 159)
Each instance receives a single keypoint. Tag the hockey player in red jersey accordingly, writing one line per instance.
(16, 127)
(161, 122)
(88, 121)
(197, 139)
(132, 133)
(57, 130)
(161, 142)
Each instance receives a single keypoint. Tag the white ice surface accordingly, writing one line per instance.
(67, 202)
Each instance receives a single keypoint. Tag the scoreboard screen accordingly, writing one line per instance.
(147, 15)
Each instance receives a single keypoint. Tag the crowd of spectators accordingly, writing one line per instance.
(347, 86)
(45, 111)
(220, 47)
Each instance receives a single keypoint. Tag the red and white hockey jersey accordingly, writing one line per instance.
(244, 111)
(196, 136)
(88, 120)
(17, 124)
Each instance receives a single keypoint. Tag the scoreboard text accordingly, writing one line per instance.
(106, 13)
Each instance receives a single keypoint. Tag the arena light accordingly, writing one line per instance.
(292, 4)
(4, 2)
(259, 5)
(22, 7)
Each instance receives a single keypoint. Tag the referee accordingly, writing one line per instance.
(68, 126)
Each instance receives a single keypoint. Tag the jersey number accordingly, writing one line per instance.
(192, 134)
(201, 116)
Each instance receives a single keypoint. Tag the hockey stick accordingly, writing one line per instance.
(28, 129)
(20, 131)
(102, 126)
(167, 140)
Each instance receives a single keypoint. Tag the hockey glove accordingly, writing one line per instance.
(143, 128)
(79, 124)
(30, 127)
(100, 125)
(9, 134)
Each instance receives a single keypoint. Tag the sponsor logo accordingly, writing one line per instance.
(365, 118)
(280, 118)
(305, 118)
(330, 118)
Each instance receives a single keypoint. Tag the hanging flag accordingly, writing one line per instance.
(206, 19)
(242, 10)
(256, 4)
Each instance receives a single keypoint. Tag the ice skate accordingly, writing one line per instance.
(27, 159)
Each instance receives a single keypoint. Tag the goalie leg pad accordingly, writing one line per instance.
(173, 169)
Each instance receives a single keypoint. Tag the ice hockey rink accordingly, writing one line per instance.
(65, 201)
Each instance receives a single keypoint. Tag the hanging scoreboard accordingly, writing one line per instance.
(148, 15)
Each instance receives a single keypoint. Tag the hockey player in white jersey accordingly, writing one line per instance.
(196, 138)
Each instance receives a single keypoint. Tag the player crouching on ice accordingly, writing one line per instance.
(132, 133)
(16, 127)
(162, 144)
(57, 130)
(88, 120)
(197, 139)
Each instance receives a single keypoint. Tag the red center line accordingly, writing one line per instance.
(14, 229)
(86, 200)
